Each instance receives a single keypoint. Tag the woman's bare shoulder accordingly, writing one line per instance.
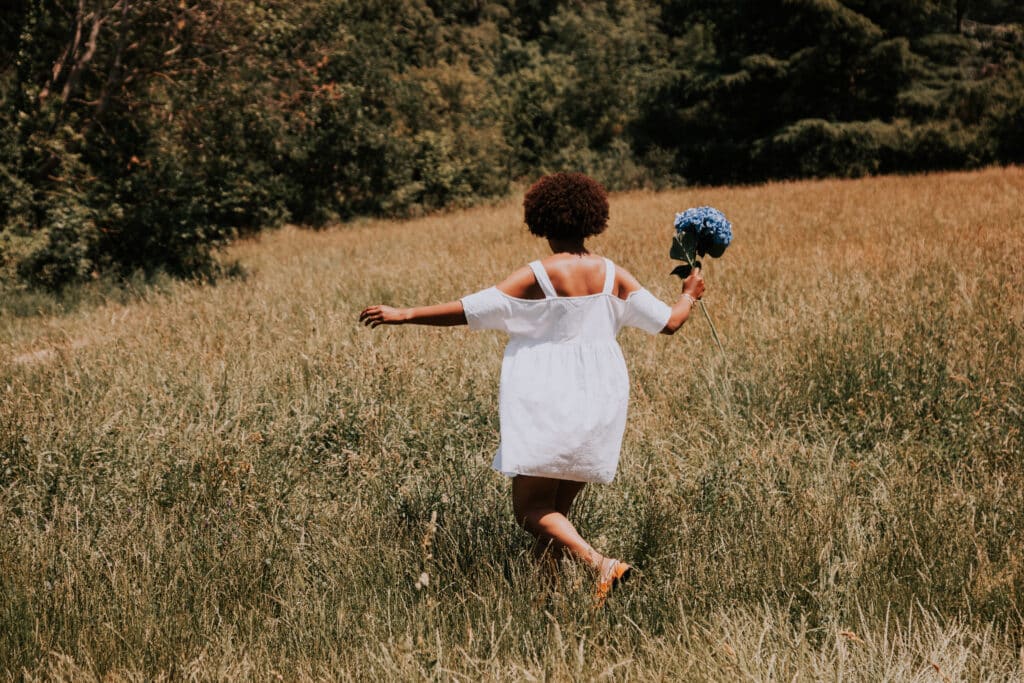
(625, 283)
(522, 284)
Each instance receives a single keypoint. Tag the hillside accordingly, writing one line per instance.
(239, 481)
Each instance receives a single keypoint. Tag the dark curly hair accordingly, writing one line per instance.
(566, 206)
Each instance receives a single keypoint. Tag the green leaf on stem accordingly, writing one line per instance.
(684, 247)
(683, 271)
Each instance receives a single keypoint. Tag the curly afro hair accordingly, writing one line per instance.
(566, 206)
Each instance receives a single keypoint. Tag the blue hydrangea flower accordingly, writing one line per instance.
(707, 227)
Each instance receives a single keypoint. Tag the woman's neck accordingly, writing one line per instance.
(574, 247)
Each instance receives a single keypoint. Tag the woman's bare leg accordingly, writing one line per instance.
(567, 492)
(548, 547)
(540, 509)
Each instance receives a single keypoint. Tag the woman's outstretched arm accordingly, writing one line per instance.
(517, 284)
(441, 315)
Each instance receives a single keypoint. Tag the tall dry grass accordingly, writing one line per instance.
(239, 482)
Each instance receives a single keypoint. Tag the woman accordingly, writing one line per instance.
(564, 386)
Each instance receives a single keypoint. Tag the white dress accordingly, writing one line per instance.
(564, 386)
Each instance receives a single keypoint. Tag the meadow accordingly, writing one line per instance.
(239, 482)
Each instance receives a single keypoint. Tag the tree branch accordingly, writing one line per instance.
(82, 62)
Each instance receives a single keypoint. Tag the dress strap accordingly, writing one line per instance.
(609, 276)
(543, 280)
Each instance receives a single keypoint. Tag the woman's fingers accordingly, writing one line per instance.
(370, 314)
(694, 284)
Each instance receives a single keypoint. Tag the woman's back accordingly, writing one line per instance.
(585, 318)
(583, 309)
(577, 275)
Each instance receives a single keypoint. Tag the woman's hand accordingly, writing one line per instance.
(694, 284)
(382, 315)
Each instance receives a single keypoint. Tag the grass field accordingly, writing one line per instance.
(239, 482)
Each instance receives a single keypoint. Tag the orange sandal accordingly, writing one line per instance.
(610, 579)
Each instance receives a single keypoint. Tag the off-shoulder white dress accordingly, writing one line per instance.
(564, 386)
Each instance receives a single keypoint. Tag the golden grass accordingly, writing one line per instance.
(239, 482)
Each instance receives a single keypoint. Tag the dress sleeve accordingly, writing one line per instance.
(487, 309)
(646, 311)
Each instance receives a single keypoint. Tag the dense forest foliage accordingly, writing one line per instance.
(139, 134)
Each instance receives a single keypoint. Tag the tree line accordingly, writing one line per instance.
(142, 134)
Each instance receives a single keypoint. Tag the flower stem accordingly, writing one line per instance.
(714, 332)
(704, 310)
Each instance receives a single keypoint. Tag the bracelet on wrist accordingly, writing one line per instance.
(687, 295)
